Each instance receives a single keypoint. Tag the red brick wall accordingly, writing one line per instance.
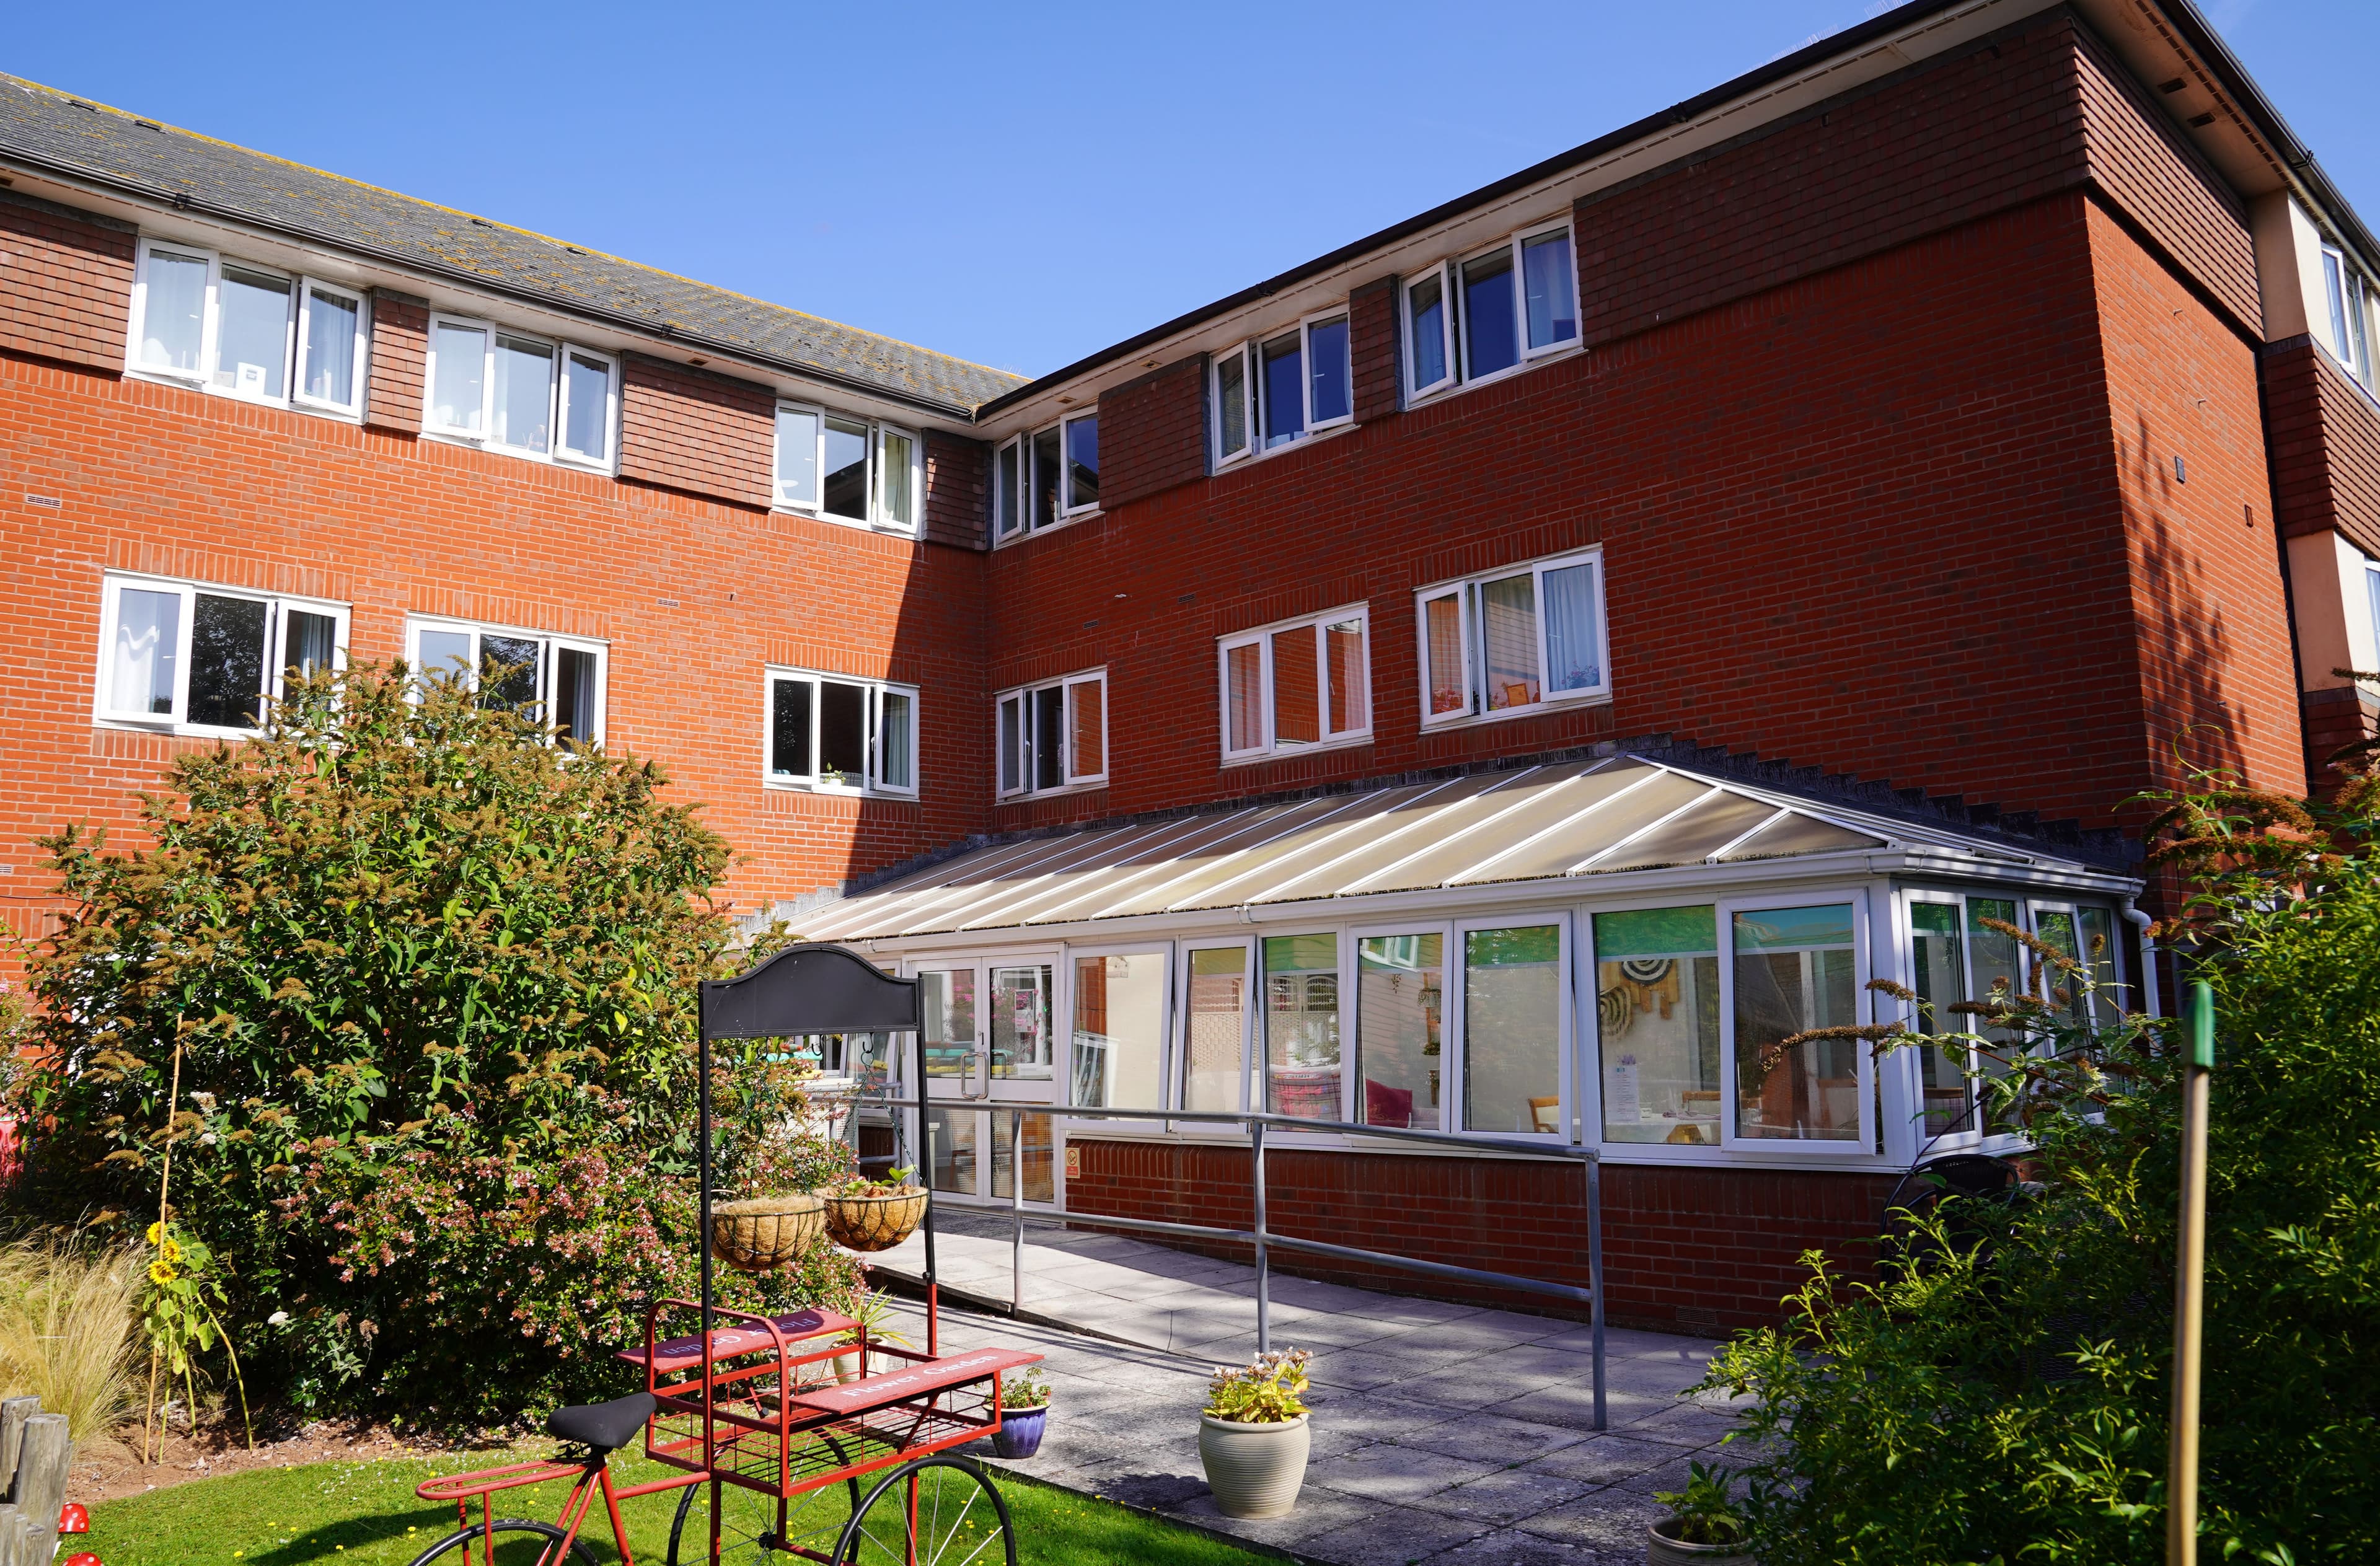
(1372, 346)
(694, 595)
(958, 490)
(691, 430)
(66, 284)
(400, 361)
(1153, 431)
(1692, 1249)
(2325, 436)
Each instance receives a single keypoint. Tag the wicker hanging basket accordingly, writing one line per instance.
(766, 1232)
(875, 1223)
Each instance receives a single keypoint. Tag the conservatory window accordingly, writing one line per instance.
(1119, 1034)
(1215, 1027)
(1399, 1010)
(1512, 990)
(1657, 994)
(1796, 969)
(1300, 1025)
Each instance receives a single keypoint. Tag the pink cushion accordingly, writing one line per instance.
(1384, 1105)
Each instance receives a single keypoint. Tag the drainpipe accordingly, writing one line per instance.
(2140, 921)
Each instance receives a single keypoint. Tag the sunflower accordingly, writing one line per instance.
(159, 1272)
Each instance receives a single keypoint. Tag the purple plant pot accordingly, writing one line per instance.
(1020, 1432)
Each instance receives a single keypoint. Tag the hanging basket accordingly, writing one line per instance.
(875, 1223)
(766, 1232)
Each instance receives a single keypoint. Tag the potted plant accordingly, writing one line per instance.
(1703, 1528)
(1252, 1436)
(867, 1309)
(873, 1215)
(1023, 1415)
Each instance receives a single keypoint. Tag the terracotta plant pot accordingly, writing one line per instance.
(875, 1223)
(766, 1232)
(1660, 1550)
(1255, 1470)
(1020, 1432)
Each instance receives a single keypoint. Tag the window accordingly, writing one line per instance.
(1400, 1011)
(246, 330)
(1082, 464)
(1510, 641)
(181, 656)
(1656, 1012)
(1484, 314)
(1513, 987)
(524, 395)
(1041, 479)
(1296, 686)
(849, 469)
(829, 732)
(556, 680)
(1119, 1034)
(1300, 1025)
(1284, 388)
(1214, 1030)
(1054, 735)
(2349, 301)
(1796, 970)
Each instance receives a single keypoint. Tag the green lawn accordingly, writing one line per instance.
(365, 1513)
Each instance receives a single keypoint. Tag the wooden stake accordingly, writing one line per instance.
(2190, 1278)
(165, 1179)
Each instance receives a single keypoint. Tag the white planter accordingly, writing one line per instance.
(1255, 1470)
(1661, 1550)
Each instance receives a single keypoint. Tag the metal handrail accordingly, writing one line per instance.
(1260, 1236)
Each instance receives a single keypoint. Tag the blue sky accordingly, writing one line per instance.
(1018, 184)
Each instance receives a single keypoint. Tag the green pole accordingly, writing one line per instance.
(2189, 1276)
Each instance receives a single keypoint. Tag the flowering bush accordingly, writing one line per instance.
(1266, 1390)
(431, 979)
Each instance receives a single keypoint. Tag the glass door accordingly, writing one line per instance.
(1021, 1056)
(955, 1075)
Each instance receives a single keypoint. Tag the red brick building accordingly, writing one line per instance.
(1492, 676)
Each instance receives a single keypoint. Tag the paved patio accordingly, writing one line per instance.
(1441, 1432)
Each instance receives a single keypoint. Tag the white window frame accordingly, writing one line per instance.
(2349, 295)
(563, 454)
(1410, 334)
(1156, 946)
(778, 484)
(484, 438)
(1466, 591)
(1864, 1144)
(1262, 637)
(872, 741)
(1351, 1007)
(877, 518)
(879, 465)
(293, 365)
(1251, 1002)
(1069, 779)
(1249, 444)
(549, 643)
(1455, 1024)
(1345, 312)
(1456, 314)
(1013, 521)
(277, 605)
(1066, 508)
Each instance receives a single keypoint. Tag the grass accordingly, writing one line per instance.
(365, 1514)
(67, 1323)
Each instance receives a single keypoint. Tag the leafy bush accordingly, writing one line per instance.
(2001, 1394)
(432, 979)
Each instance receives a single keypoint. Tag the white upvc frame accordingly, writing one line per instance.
(1251, 999)
(1588, 993)
(1466, 591)
(2350, 326)
(874, 730)
(1260, 1039)
(1456, 316)
(558, 351)
(1863, 1144)
(1068, 507)
(1261, 638)
(550, 645)
(1410, 338)
(1249, 356)
(277, 608)
(302, 286)
(1941, 1021)
(1014, 519)
(1455, 1023)
(792, 489)
(1012, 491)
(1351, 1007)
(880, 466)
(1342, 313)
(1163, 947)
(1069, 777)
(1217, 398)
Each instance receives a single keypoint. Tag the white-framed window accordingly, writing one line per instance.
(1052, 735)
(562, 681)
(1277, 390)
(1297, 685)
(1513, 640)
(847, 468)
(1510, 1067)
(2350, 298)
(833, 732)
(520, 394)
(1216, 1022)
(246, 330)
(1488, 313)
(1035, 484)
(189, 657)
(1790, 965)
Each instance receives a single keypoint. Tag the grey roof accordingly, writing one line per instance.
(41, 127)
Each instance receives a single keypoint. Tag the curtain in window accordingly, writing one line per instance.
(1508, 611)
(331, 349)
(1442, 630)
(1511, 1029)
(173, 315)
(1301, 1024)
(148, 643)
(1351, 706)
(1296, 695)
(1399, 1004)
(1244, 667)
(1218, 1001)
(1088, 703)
(1573, 647)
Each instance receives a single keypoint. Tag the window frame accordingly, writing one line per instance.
(1865, 1144)
(1066, 510)
(778, 498)
(1343, 312)
(1163, 947)
(308, 287)
(1410, 336)
(1069, 780)
(563, 352)
(558, 348)
(1007, 528)
(1262, 637)
(549, 643)
(1251, 1000)
(1465, 590)
(1351, 1007)
(872, 721)
(277, 605)
(1249, 441)
(1455, 1023)
(294, 338)
(1456, 316)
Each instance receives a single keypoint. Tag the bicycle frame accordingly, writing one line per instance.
(592, 1478)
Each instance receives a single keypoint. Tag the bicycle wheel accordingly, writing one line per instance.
(749, 1527)
(519, 1542)
(939, 1511)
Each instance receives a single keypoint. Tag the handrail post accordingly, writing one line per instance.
(1264, 1264)
(1595, 1271)
(1016, 1210)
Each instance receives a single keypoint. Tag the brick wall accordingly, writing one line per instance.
(1153, 431)
(692, 429)
(958, 490)
(1372, 348)
(1685, 1249)
(2326, 436)
(65, 282)
(400, 361)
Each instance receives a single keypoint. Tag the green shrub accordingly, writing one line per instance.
(2001, 1394)
(431, 979)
